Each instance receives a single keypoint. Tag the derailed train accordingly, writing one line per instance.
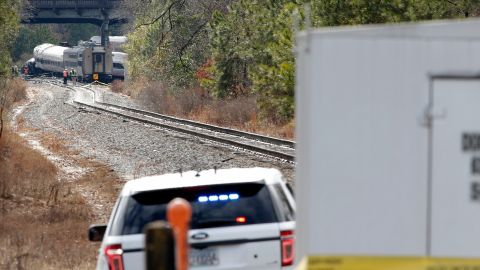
(90, 61)
(119, 55)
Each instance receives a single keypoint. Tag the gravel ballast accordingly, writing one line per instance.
(130, 148)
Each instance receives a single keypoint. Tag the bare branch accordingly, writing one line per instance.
(182, 50)
(163, 14)
(451, 2)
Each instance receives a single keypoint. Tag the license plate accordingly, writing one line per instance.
(203, 257)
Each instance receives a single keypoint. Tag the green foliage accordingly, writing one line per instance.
(74, 32)
(350, 12)
(273, 80)
(252, 44)
(170, 41)
(242, 47)
(29, 37)
(252, 50)
(8, 30)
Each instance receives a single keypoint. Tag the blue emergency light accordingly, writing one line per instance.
(221, 197)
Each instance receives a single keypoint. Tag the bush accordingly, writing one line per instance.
(117, 86)
(196, 104)
(12, 91)
(227, 112)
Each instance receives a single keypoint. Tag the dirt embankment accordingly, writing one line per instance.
(48, 197)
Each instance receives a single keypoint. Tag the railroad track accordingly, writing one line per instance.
(259, 144)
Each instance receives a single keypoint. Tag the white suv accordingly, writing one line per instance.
(241, 219)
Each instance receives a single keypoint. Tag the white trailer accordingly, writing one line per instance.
(388, 130)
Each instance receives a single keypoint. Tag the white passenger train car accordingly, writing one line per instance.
(49, 57)
(119, 59)
(91, 62)
(116, 42)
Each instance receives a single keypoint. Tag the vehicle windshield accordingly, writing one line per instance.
(212, 206)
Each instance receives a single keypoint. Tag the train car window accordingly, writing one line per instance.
(118, 65)
(98, 58)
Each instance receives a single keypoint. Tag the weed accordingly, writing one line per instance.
(43, 220)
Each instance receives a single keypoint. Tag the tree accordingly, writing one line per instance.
(29, 37)
(350, 12)
(243, 47)
(8, 29)
(252, 44)
(169, 41)
(252, 49)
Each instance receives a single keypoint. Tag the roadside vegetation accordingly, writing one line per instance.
(196, 104)
(43, 216)
(223, 62)
(241, 51)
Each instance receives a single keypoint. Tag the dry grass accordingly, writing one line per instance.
(38, 217)
(195, 104)
(44, 217)
(16, 90)
(117, 86)
(21, 167)
(43, 221)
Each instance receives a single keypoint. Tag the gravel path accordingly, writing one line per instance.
(130, 148)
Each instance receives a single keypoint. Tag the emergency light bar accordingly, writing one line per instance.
(221, 197)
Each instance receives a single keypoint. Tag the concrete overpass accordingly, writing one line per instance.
(73, 11)
(98, 12)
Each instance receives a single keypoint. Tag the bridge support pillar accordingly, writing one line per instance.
(104, 32)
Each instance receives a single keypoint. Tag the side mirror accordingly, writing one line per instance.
(96, 232)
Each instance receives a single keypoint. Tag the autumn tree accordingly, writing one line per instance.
(169, 41)
(245, 47)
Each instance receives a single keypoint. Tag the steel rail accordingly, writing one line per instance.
(234, 132)
(230, 131)
(227, 131)
(256, 149)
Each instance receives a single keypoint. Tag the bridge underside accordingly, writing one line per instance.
(99, 12)
(74, 11)
(93, 16)
(94, 21)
